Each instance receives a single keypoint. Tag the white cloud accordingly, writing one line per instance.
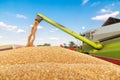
(38, 27)
(95, 4)
(105, 10)
(1, 37)
(105, 16)
(21, 31)
(2, 24)
(85, 1)
(7, 27)
(53, 38)
(11, 27)
(112, 4)
(21, 16)
(53, 29)
(83, 27)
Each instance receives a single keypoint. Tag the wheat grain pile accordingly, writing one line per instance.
(54, 63)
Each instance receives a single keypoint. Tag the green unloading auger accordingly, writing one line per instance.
(41, 17)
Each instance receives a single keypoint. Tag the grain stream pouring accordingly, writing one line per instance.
(31, 37)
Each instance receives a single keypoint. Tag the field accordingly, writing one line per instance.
(54, 63)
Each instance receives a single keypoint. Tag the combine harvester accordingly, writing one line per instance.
(103, 42)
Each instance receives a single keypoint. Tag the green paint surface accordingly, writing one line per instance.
(111, 50)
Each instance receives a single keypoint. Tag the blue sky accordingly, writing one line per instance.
(17, 16)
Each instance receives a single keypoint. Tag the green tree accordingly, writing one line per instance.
(64, 44)
(46, 44)
(71, 43)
